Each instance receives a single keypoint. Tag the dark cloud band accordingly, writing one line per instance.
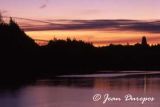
(102, 25)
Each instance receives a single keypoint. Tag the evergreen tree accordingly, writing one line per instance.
(1, 19)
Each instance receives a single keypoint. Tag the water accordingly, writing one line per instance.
(78, 91)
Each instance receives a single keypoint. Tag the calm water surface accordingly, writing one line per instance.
(78, 91)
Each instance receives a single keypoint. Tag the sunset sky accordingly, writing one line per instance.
(98, 21)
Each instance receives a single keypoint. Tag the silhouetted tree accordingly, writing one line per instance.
(2, 22)
(1, 19)
(26, 59)
(144, 41)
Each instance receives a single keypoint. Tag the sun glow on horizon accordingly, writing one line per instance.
(101, 22)
(98, 38)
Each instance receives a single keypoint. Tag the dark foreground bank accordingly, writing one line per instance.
(21, 58)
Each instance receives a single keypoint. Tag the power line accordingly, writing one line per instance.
(30, 19)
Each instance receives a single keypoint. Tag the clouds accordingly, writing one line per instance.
(45, 4)
(99, 25)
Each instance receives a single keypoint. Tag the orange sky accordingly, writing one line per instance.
(97, 38)
(99, 21)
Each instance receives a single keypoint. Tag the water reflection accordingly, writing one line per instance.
(78, 91)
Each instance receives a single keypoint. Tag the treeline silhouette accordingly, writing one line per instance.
(21, 58)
